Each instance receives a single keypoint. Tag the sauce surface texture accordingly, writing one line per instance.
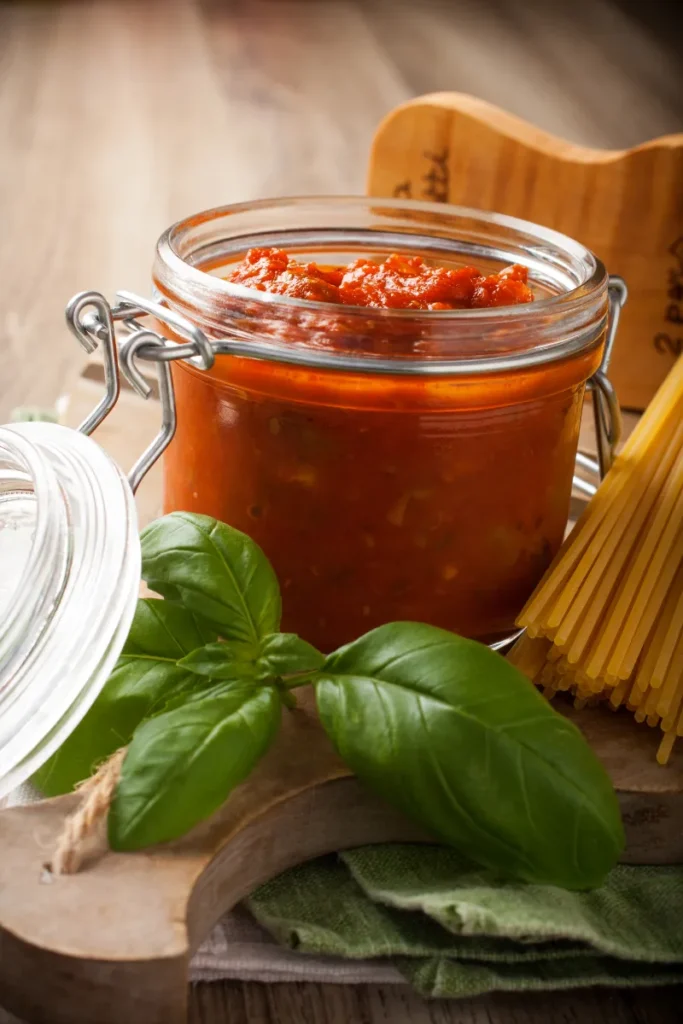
(398, 282)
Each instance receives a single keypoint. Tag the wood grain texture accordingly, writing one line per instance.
(318, 1004)
(296, 1003)
(117, 118)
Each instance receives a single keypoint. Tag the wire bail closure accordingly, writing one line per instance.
(93, 322)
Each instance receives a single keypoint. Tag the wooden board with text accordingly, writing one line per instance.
(627, 206)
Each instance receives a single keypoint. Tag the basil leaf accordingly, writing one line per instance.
(214, 571)
(283, 654)
(457, 738)
(230, 660)
(145, 673)
(182, 765)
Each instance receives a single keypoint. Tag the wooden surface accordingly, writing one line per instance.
(296, 1003)
(450, 147)
(117, 118)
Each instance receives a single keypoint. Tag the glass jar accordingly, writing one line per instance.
(392, 464)
(69, 581)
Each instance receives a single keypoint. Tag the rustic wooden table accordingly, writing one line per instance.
(116, 118)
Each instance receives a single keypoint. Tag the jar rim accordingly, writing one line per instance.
(168, 251)
(570, 320)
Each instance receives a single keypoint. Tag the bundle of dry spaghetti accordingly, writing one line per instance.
(606, 620)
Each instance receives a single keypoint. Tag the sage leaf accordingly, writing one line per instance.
(145, 673)
(213, 570)
(285, 654)
(230, 660)
(183, 764)
(458, 739)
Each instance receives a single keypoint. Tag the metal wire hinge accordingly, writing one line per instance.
(93, 321)
(606, 411)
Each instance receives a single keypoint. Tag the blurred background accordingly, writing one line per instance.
(119, 117)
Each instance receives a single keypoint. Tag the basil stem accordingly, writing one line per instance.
(286, 654)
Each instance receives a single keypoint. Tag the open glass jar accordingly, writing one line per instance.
(393, 464)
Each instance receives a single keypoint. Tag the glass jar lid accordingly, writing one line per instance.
(69, 582)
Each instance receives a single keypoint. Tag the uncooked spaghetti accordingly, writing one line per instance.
(606, 621)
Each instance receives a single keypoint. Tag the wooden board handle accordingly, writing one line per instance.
(626, 205)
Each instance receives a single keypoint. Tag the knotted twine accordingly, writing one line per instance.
(84, 832)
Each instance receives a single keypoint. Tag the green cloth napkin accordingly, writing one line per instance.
(454, 931)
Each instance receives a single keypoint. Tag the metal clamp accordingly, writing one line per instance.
(606, 411)
(128, 354)
(92, 320)
(91, 328)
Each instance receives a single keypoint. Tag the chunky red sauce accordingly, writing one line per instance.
(381, 497)
(398, 282)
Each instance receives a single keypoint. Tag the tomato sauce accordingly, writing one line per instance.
(381, 498)
(398, 282)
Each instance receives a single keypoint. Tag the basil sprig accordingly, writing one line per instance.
(441, 727)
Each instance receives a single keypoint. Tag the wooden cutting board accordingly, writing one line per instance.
(627, 206)
(113, 943)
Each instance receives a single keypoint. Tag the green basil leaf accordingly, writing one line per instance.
(145, 673)
(457, 738)
(182, 765)
(284, 654)
(230, 660)
(214, 571)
